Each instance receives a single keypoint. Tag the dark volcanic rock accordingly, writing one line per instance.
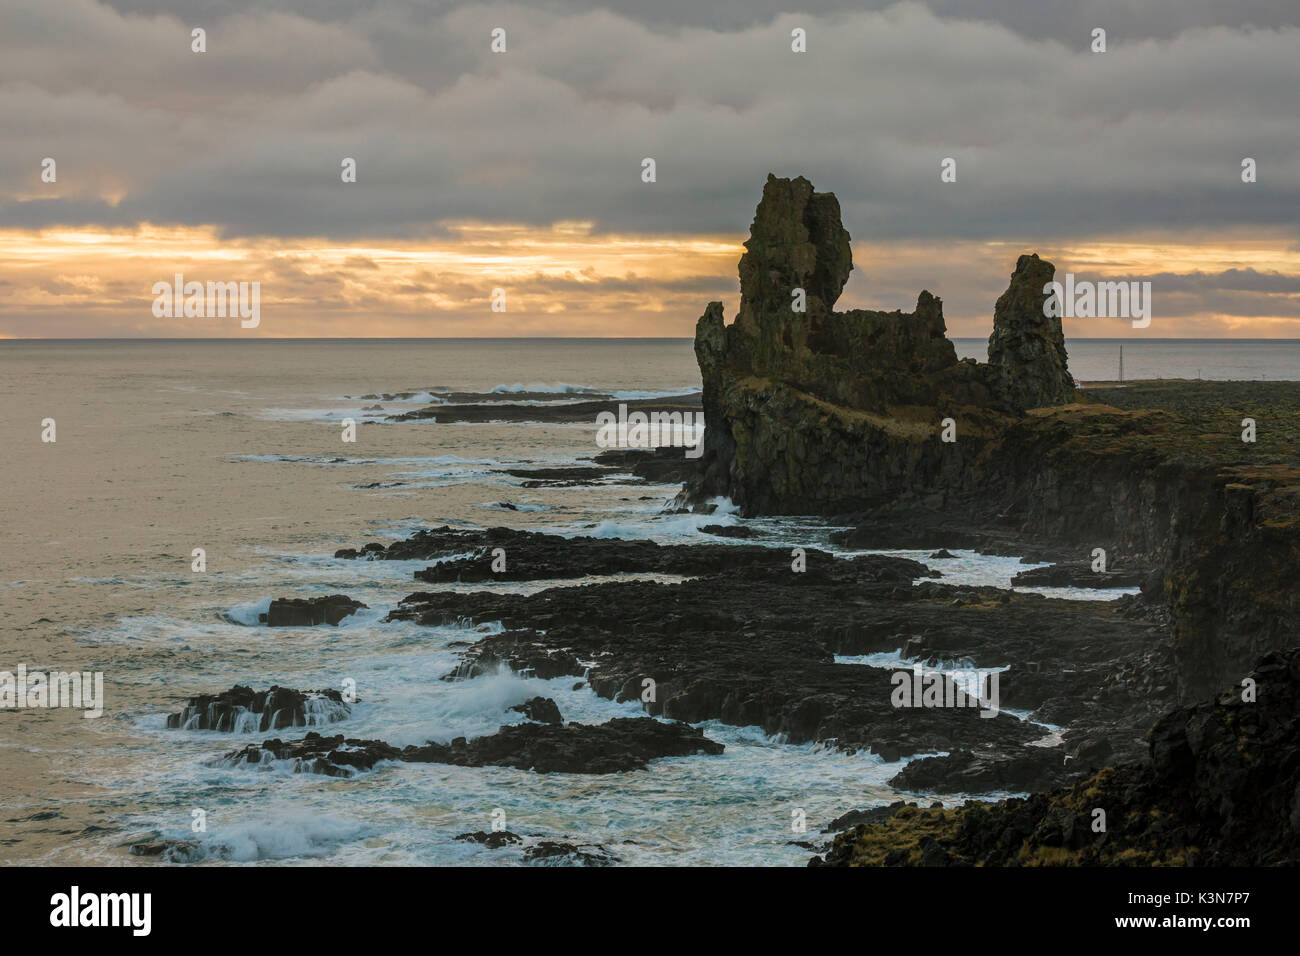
(583, 411)
(667, 464)
(1033, 768)
(532, 556)
(728, 530)
(330, 756)
(624, 743)
(555, 853)
(796, 241)
(1221, 787)
(758, 647)
(493, 841)
(663, 465)
(1079, 575)
(308, 612)
(558, 477)
(817, 411)
(244, 709)
(541, 709)
(1027, 348)
(871, 815)
(174, 851)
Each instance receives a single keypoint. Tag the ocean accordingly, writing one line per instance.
(1097, 360)
(235, 447)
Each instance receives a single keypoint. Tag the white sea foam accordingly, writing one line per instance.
(972, 569)
(249, 615)
(565, 388)
(553, 388)
(287, 837)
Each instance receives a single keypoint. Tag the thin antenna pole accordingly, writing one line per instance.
(1121, 364)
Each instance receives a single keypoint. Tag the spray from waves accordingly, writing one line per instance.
(248, 615)
(631, 395)
(251, 615)
(555, 388)
(657, 525)
(415, 398)
(317, 711)
(290, 836)
(961, 672)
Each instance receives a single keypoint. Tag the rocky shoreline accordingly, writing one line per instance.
(1219, 788)
(744, 638)
(869, 422)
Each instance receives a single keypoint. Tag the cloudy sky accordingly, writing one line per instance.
(522, 170)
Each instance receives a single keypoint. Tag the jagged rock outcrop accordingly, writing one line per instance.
(308, 612)
(242, 710)
(544, 710)
(851, 399)
(620, 744)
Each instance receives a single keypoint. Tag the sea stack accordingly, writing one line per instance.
(1027, 347)
(810, 410)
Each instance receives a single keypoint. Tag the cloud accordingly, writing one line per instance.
(1051, 140)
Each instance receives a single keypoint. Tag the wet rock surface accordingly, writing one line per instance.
(1033, 768)
(624, 743)
(541, 709)
(1220, 787)
(667, 464)
(749, 641)
(544, 852)
(534, 556)
(494, 840)
(557, 853)
(170, 850)
(1079, 575)
(335, 756)
(308, 612)
(244, 709)
(586, 410)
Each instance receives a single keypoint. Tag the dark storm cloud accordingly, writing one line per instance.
(1038, 19)
(1050, 139)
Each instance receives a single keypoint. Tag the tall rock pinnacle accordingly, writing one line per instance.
(1027, 361)
(796, 242)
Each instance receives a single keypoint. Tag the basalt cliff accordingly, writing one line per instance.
(871, 419)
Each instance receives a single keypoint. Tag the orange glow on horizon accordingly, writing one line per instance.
(562, 279)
